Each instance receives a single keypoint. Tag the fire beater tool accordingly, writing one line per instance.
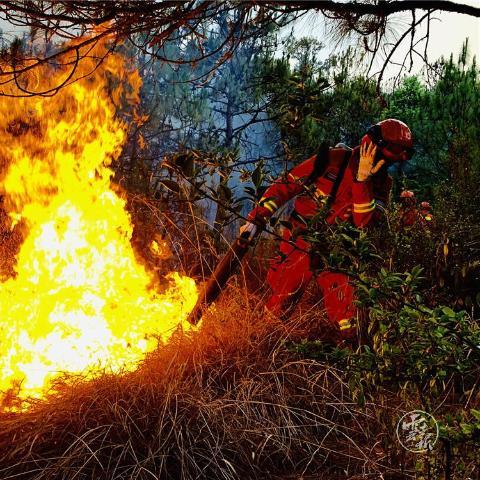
(214, 286)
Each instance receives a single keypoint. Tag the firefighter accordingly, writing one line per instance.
(355, 185)
(408, 209)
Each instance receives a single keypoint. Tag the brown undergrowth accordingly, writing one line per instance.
(229, 401)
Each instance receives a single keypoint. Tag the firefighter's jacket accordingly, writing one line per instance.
(359, 202)
(409, 216)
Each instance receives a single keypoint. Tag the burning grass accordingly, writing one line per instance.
(229, 401)
(68, 298)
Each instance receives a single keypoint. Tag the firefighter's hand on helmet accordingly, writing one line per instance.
(366, 168)
(249, 228)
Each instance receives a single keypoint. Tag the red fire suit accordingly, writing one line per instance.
(359, 202)
(408, 216)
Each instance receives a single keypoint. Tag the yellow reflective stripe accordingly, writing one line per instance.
(293, 177)
(269, 205)
(320, 196)
(364, 207)
(372, 202)
(363, 210)
(345, 324)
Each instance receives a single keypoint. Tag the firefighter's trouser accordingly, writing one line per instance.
(289, 274)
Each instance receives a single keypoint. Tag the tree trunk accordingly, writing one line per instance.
(222, 214)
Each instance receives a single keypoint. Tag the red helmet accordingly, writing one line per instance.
(407, 194)
(407, 198)
(393, 138)
(425, 206)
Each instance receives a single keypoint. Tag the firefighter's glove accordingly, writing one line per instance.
(249, 228)
(366, 167)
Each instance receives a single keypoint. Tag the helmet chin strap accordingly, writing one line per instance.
(388, 161)
(380, 156)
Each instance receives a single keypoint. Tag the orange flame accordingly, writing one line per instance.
(80, 302)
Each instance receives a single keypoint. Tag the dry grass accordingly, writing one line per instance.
(227, 402)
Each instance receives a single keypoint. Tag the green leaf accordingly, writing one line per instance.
(257, 176)
(448, 311)
(467, 429)
(475, 413)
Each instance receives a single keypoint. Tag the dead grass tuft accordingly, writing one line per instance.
(226, 402)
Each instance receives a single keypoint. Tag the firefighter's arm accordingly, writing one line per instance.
(363, 203)
(370, 188)
(281, 191)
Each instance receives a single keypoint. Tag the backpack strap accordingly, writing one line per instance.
(338, 180)
(320, 164)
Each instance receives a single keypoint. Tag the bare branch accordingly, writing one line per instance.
(381, 8)
(161, 21)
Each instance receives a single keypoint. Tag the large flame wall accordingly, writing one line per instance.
(80, 301)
